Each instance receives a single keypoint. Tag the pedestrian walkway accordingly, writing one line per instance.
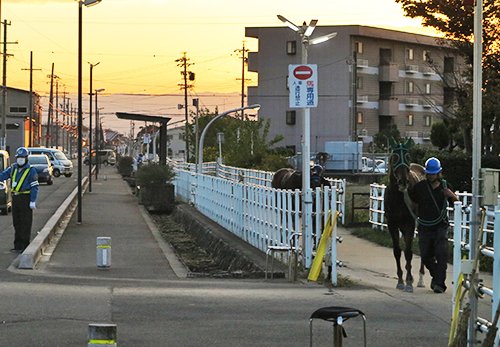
(110, 210)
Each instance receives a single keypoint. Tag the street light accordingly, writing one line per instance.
(81, 3)
(305, 32)
(203, 133)
(97, 133)
(90, 126)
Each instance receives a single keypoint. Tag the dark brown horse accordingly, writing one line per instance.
(287, 178)
(399, 209)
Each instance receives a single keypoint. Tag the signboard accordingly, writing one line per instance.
(303, 85)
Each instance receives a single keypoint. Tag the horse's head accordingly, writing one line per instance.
(399, 163)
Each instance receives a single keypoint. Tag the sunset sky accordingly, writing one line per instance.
(137, 42)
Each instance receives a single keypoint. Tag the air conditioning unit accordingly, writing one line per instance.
(361, 63)
(411, 102)
(412, 134)
(361, 99)
(411, 68)
(428, 71)
(362, 132)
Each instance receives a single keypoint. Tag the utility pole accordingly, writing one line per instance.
(184, 64)
(196, 103)
(57, 114)
(48, 134)
(3, 135)
(244, 60)
(30, 107)
(355, 95)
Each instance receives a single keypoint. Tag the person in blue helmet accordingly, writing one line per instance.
(24, 188)
(432, 196)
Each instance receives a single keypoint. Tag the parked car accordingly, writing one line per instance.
(43, 167)
(61, 164)
(106, 157)
(5, 191)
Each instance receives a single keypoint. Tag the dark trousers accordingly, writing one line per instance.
(434, 252)
(22, 218)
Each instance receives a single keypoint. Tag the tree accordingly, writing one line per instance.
(245, 144)
(440, 136)
(454, 19)
(381, 139)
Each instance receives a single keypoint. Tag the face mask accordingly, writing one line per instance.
(21, 161)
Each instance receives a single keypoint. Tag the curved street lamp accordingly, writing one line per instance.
(305, 32)
(204, 132)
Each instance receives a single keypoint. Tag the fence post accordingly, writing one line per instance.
(334, 239)
(496, 266)
(457, 249)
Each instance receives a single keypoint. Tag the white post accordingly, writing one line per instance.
(334, 239)
(457, 249)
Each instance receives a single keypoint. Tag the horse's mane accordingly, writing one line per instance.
(416, 175)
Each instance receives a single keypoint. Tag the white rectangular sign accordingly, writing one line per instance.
(303, 85)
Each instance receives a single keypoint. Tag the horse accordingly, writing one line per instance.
(399, 209)
(287, 178)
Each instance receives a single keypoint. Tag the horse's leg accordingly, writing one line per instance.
(421, 275)
(396, 250)
(408, 233)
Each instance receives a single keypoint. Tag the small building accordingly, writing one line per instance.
(176, 144)
(18, 119)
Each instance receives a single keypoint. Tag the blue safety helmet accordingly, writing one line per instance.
(433, 166)
(22, 152)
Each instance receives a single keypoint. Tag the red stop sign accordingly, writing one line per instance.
(303, 72)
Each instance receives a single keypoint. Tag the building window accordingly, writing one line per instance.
(359, 83)
(449, 64)
(181, 136)
(358, 47)
(409, 87)
(290, 117)
(426, 55)
(410, 119)
(18, 109)
(427, 88)
(359, 118)
(409, 53)
(427, 120)
(291, 47)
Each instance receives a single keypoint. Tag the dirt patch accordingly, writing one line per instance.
(199, 262)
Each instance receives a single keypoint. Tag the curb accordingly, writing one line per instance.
(35, 250)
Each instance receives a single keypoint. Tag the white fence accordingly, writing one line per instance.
(260, 215)
(460, 221)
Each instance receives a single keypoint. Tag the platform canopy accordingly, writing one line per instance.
(153, 119)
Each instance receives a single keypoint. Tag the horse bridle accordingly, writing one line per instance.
(403, 157)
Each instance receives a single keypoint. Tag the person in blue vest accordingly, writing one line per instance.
(433, 196)
(24, 188)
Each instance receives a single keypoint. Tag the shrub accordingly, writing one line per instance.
(125, 166)
(154, 175)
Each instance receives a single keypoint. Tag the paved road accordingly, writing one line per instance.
(53, 305)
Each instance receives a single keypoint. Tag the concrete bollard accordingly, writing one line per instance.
(103, 252)
(102, 334)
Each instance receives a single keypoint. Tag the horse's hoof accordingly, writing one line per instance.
(421, 284)
(409, 289)
(400, 286)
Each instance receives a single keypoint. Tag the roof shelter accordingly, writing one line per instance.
(153, 119)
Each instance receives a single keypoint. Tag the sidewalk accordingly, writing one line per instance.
(110, 210)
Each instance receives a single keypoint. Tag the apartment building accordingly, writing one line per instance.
(396, 78)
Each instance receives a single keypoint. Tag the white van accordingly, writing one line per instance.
(61, 164)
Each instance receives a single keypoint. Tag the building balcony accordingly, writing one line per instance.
(411, 102)
(389, 107)
(428, 71)
(388, 73)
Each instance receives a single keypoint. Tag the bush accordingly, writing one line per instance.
(125, 166)
(154, 175)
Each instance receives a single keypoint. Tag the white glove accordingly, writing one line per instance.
(32, 205)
